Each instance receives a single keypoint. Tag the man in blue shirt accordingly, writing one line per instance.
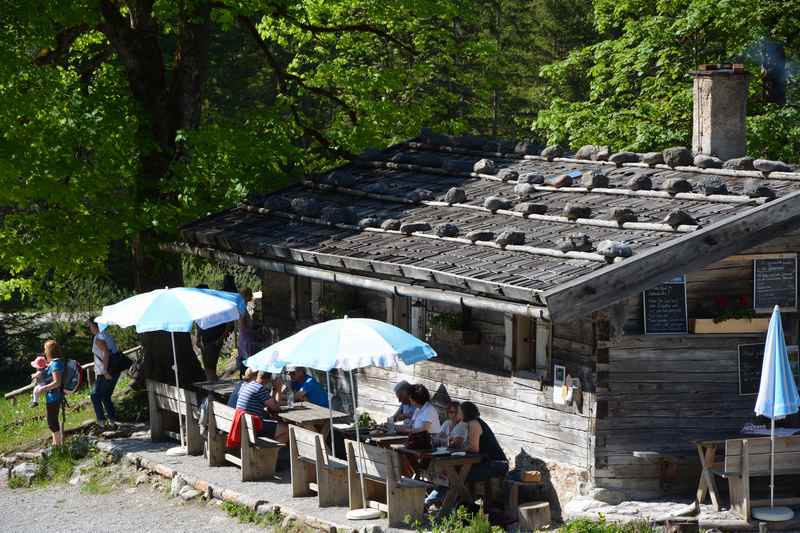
(306, 388)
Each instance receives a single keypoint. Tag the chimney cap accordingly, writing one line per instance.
(715, 69)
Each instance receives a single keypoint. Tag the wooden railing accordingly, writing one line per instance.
(88, 368)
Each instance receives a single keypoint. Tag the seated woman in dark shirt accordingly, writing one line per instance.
(481, 439)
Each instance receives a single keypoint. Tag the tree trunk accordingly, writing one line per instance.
(167, 107)
(773, 73)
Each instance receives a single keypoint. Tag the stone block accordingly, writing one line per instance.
(446, 230)
(410, 227)
(767, 165)
(530, 208)
(624, 157)
(707, 161)
(493, 203)
(552, 151)
(391, 224)
(678, 156)
(640, 183)
(739, 163)
(455, 195)
(534, 516)
(484, 166)
(653, 158)
(507, 174)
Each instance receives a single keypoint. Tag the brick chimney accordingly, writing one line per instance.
(720, 107)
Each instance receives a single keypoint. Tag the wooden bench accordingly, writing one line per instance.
(163, 398)
(384, 487)
(257, 455)
(314, 470)
(743, 459)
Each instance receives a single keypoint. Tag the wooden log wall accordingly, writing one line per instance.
(663, 392)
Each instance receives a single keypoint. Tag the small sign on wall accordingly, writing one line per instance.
(665, 308)
(559, 380)
(775, 283)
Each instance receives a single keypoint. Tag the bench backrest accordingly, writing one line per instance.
(171, 398)
(787, 455)
(376, 463)
(223, 416)
(304, 442)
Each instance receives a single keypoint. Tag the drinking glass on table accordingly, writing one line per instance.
(390, 426)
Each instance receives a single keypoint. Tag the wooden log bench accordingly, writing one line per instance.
(384, 486)
(314, 470)
(743, 459)
(257, 457)
(163, 398)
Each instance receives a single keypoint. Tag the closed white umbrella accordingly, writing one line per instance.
(777, 398)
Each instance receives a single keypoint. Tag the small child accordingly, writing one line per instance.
(40, 377)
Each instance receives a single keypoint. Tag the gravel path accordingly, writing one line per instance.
(64, 508)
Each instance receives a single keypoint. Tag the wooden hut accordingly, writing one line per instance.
(523, 270)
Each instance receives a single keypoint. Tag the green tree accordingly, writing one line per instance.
(631, 88)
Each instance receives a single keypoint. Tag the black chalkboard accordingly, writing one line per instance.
(775, 283)
(665, 308)
(751, 358)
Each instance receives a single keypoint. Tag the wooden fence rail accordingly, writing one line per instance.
(88, 368)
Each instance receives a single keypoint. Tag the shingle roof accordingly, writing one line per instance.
(338, 220)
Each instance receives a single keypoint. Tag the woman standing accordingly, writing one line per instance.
(103, 345)
(54, 392)
(247, 334)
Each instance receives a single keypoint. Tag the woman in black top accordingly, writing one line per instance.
(481, 439)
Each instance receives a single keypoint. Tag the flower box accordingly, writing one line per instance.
(732, 325)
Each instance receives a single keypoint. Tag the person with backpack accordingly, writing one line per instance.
(103, 346)
(54, 391)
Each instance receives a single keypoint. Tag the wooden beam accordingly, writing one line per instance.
(687, 253)
(388, 287)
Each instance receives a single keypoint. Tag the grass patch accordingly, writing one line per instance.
(22, 426)
(16, 483)
(459, 521)
(272, 520)
(584, 525)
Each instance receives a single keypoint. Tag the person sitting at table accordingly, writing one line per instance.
(248, 376)
(426, 417)
(406, 410)
(481, 439)
(454, 431)
(254, 399)
(306, 388)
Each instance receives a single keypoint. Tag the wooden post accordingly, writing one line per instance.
(301, 298)
(299, 470)
(746, 480)
(156, 420)
(257, 463)
(216, 440)
(354, 488)
(510, 327)
(330, 479)
(194, 440)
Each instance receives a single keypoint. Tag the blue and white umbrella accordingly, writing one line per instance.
(777, 398)
(344, 344)
(174, 310)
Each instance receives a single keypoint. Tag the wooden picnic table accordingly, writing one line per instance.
(222, 387)
(310, 416)
(454, 468)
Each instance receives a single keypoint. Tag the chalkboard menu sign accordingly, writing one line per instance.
(775, 283)
(751, 357)
(665, 308)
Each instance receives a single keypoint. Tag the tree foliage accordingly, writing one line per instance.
(631, 90)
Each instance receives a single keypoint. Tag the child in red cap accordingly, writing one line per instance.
(39, 378)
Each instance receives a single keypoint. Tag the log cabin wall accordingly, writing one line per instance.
(476, 363)
(659, 393)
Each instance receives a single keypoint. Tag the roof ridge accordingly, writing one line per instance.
(665, 195)
(454, 148)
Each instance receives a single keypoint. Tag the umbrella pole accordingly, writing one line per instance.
(177, 384)
(330, 410)
(358, 439)
(772, 463)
